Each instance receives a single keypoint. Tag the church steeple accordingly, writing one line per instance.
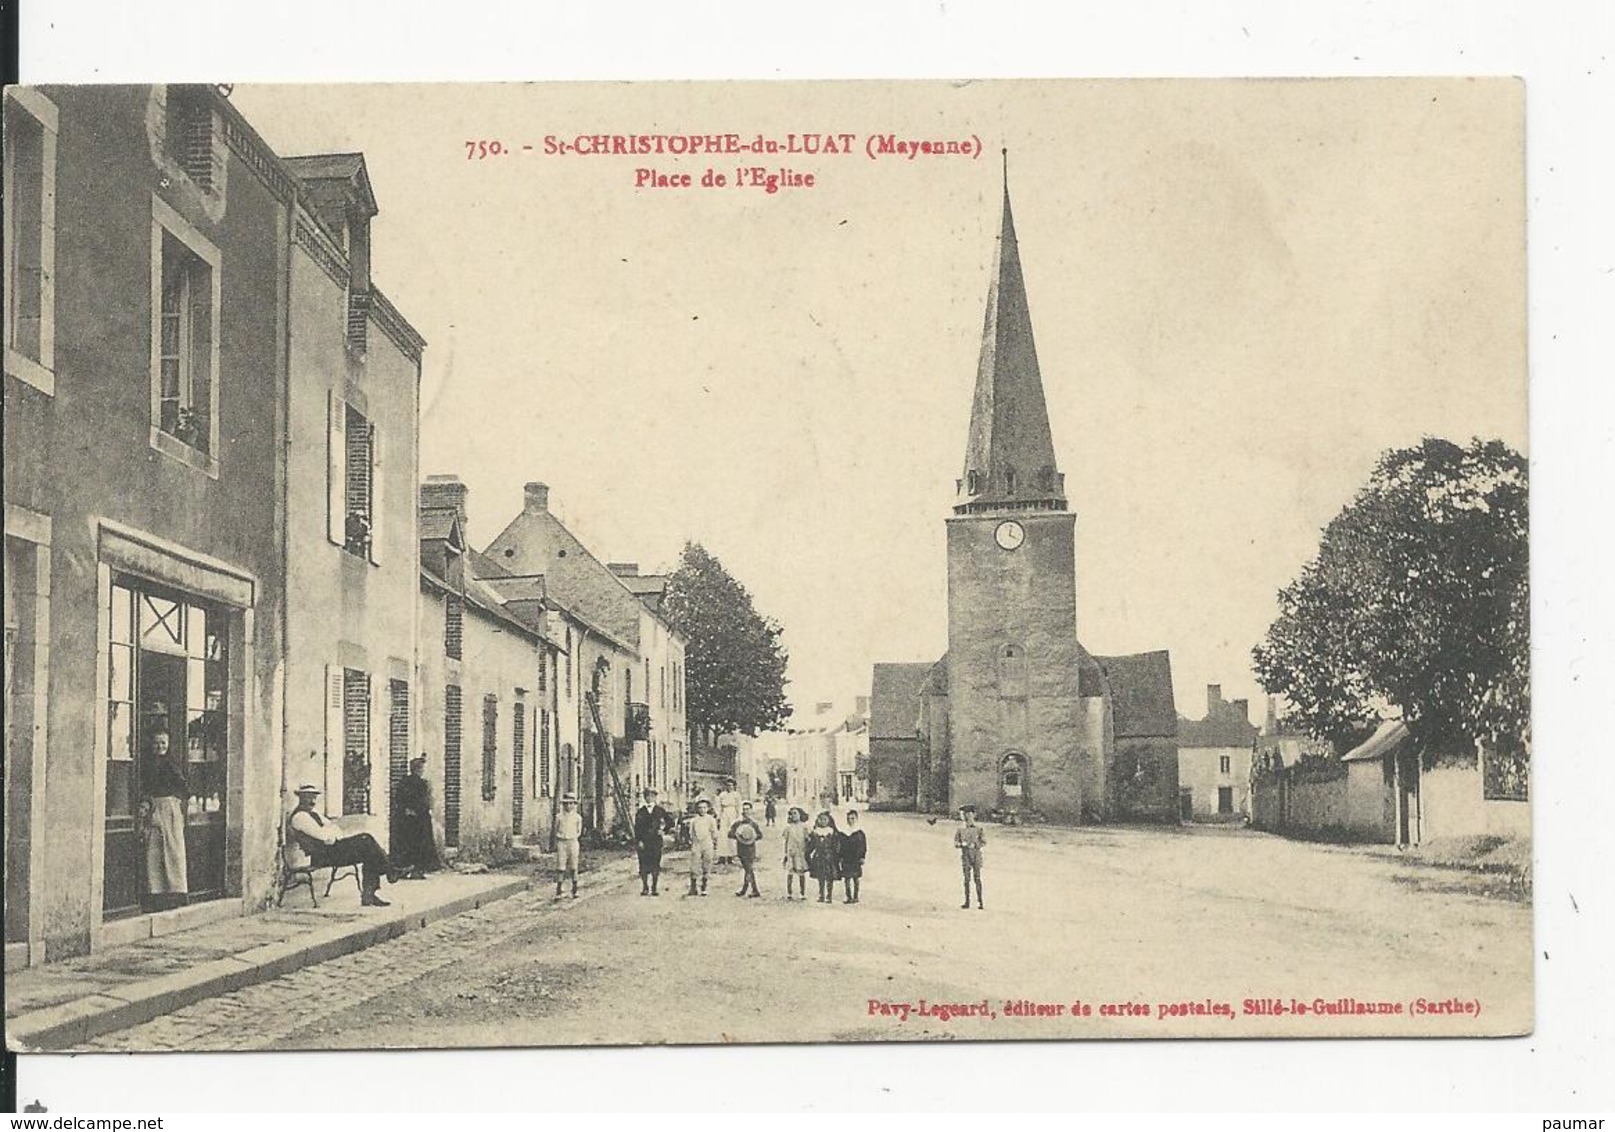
(1009, 458)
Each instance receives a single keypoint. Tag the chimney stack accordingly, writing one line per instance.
(536, 497)
(1271, 727)
(1242, 708)
(445, 492)
(1213, 700)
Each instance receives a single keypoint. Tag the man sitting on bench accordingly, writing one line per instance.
(327, 848)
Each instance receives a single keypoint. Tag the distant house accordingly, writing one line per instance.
(1214, 761)
(895, 745)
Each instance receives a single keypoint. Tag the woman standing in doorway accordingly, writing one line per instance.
(166, 794)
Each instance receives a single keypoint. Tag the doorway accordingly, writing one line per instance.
(167, 668)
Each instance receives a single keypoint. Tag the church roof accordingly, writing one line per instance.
(1141, 694)
(894, 701)
(1009, 457)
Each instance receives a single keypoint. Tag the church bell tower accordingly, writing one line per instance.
(1015, 715)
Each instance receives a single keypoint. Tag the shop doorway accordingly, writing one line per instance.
(167, 669)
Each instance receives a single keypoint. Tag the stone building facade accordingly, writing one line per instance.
(149, 407)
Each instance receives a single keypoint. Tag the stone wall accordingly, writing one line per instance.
(1013, 664)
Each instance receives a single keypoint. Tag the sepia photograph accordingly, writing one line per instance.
(565, 564)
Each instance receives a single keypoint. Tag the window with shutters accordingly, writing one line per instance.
(453, 707)
(543, 783)
(518, 764)
(29, 215)
(354, 481)
(490, 747)
(184, 340)
(453, 625)
(355, 742)
(397, 730)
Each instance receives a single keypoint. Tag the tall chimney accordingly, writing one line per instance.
(1271, 727)
(1213, 700)
(445, 492)
(536, 497)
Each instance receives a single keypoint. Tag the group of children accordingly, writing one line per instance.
(824, 850)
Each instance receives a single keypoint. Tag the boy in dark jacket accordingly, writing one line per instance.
(854, 847)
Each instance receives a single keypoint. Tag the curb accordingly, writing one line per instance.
(69, 1024)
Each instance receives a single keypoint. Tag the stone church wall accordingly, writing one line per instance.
(1028, 704)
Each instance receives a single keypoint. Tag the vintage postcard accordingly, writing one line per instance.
(576, 564)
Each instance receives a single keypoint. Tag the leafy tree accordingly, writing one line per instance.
(734, 664)
(1418, 600)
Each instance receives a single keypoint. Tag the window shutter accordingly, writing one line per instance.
(376, 480)
(334, 745)
(336, 527)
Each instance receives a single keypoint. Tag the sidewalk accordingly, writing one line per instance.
(61, 1005)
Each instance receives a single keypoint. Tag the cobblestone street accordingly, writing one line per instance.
(1144, 917)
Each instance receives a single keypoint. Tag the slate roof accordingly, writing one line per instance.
(319, 166)
(436, 523)
(1385, 739)
(894, 701)
(1230, 731)
(1141, 694)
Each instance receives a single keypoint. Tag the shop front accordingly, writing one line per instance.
(172, 733)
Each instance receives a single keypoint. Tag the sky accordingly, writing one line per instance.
(1241, 291)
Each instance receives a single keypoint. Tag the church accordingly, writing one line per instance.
(1018, 719)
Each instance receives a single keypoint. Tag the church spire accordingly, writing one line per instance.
(1009, 458)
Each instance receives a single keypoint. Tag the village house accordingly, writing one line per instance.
(151, 319)
(1214, 761)
(354, 380)
(633, 729)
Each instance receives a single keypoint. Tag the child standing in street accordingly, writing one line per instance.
(823, 853)
(969, 839)
(568, 843)
(854, 847)
(796, 862)
(746, 834)
(703, 845)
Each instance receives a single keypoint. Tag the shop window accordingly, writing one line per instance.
(30, 238)
(354, 481)
(167, 674)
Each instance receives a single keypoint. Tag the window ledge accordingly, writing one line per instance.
(30, 372)
(177, 449)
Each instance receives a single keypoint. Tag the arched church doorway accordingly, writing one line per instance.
(1012, 784)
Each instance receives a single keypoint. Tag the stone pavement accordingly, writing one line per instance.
(263, 1015)
(198, 972)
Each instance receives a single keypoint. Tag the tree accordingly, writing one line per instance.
(734, 664)
(1418, 600)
